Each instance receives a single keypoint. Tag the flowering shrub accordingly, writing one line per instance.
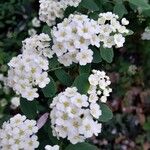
(60, 75)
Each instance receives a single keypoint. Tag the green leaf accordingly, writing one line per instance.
(89, 4)
(120, 9)
(106, 113)
(64, 77)
(51, 89)
(29, 108)
(81, 83)
(81, 146)
(85, 69)
(96, 56)
(46, 29)
(53, 63)
(107, 54)
(143, 4)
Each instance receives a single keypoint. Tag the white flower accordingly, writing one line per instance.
(95, 110)
(124, 21)
(132, 69)
(48, 147)
(71, 114)
(146, 34)
(19, 133)
(15, 102)
(36, 22)
(99, 86)
(28, 72)
(119, 40)
(32, 32)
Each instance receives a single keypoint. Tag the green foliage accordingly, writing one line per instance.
(29, 108)
(106, 113)
(82, 84)
(85, 69)
(107, 54)
(51, 89)
(81, 146)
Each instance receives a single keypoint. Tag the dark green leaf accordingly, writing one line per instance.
(64, 77)
(81, 146)
(50, 89)
(106, 113)
(89, 4)
(82, 83)
(96, 56)
(120, 9)
(143, 4)
(107, 54)
(85, 69)
(29, 108)
(47, 30)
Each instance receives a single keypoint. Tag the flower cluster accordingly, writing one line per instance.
(111, 30)
(38, 44)
(26, 72)
(19, 133)
(52, 9)
(72, 38)
(73, 116)
(99, 86)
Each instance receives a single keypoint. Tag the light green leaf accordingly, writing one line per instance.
(107, 54)
(29, 108)
(82, 83)
(50, 89)
(81, 146)
(106, 113)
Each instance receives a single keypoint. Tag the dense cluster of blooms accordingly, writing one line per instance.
(52, 9)
(48, 147)
(111, 30)
(72, 38)
(99, 86)
(38, 44)
(146, 34)
(19, 133)
(26, 72)
(73, 116)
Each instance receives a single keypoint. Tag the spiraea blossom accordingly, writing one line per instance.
(72, 38)
(146, 34)
(36, 22)
(52, 9)
(27, 72)
(48, 147)
(19, 133)
(73, 116)
(99, 86)
(111, 30)
(38, 44)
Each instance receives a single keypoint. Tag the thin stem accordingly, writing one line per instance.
(55, 69)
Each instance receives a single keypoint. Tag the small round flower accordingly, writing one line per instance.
(32, 32)
(36, 22)
(19, 133)
(48, 147)
(15, 102)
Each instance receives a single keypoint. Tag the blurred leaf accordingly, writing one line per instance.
(106, 113)
(81, 83)
(47, 30)
(64, 77)
(96, 56)
(50, 89)
(29, 108)
(89, 4)
(81, 146)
